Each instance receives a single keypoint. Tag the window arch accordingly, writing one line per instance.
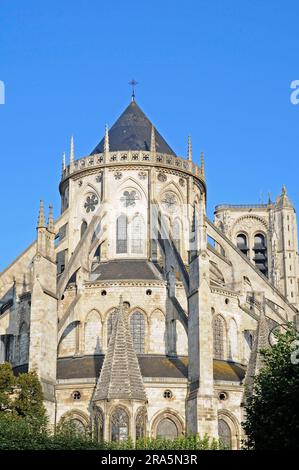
(122, 234)
(260, 253)
(141, 419)
(137, 235)
(224, 433)
(167, 429)
(119, 425)
(98, 425)
(137, 326)
(110, 323)
(219, 337)
(242, 243)
(176, 234)
(93, 329)
(23, 345)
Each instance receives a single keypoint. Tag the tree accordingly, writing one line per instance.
(7, 384)
(272, 411)
(22, 395)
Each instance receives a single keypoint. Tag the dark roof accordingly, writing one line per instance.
(150, 366)
(126, 269)
(132, 131)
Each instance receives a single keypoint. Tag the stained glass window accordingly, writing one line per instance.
(137, 331)
(119, 425)
(224, 433)
(137, 244)
(218, 337)
(141, 423)
(99, 425)
(167, 429)
(121, 234)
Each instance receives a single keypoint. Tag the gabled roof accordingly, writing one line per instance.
(132, 131)
(120, 376)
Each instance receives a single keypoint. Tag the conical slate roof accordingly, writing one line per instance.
(132, 131)
(120, 377)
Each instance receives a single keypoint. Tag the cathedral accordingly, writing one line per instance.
(140, 315)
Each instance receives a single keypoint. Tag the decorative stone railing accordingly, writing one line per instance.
(134, 158)
(241, 206)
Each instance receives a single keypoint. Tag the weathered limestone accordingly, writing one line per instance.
(133, 224)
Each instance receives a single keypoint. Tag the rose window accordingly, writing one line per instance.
(91, 203)
(129, 198)
(169, 202)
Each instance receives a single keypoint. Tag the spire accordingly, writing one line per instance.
(283, 200)
(63, 162)
(50, 220)
(189, 148)
(41, 223)
(106, 141)
(269, 200)
(153, 139)
(120, 377)
(72, 152)
(202, 164)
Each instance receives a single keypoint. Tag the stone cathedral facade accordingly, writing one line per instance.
(141, 316)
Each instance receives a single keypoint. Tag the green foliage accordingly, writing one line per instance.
(7, 384)
(272, 413)
(23, 424)
(22, 396)
(29, 400)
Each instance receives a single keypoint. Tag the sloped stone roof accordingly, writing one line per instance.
(120, 376)
(132, 131)
(151, 365)
(126, 269)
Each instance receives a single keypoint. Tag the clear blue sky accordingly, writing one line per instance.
(219, 69)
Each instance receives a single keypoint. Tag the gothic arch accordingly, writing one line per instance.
(220, 335)
(171, 415)
(131, 183)
(113, 431)
(88, 187)
(140, 422)
(173, 187)
(156, 310)
(252, 218)
(157, 332)
(233, 425)
(93, 333)
(75, 414)
(138, 325)
(137, 239)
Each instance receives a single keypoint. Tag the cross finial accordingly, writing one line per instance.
(133, 84)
